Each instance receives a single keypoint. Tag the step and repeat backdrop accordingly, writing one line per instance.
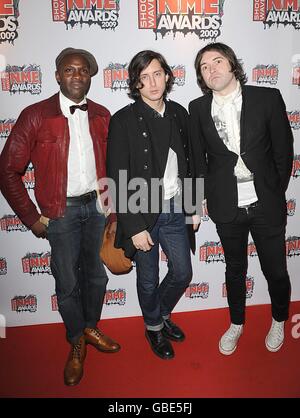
(265, 34)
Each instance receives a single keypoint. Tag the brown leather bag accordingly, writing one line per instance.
(114, 258)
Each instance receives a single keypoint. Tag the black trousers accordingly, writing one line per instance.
(271, 250)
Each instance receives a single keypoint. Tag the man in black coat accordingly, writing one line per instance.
(148, 157)
(243, 146)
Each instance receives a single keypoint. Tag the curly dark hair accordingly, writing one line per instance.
(225, 51)
(141, 61)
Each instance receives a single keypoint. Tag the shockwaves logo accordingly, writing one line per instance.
(54, 305)
(3, 266)
(37, 263)
(294, 119)
(271, 12)
(28, 178)
(265, 74)
(211, 252)
(25, 79)
(296, 167)
(115, 76)
(251, 249)
(197, 290)
(291, 207)
(24, 303)
(292, 246)
(201, 17)
(249, 287)
(6, 126)
(104, 13)
(9, 13)
(115, 297)
(11, 223)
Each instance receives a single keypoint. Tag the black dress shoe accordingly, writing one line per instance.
(160, 345)
(172, 331)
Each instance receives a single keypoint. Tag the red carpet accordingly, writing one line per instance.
(33, 358)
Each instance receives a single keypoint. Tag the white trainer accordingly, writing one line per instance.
(229, 340)
(275, 337)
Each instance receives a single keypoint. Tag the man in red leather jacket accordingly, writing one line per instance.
(64, 137)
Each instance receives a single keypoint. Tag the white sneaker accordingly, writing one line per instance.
(229, 340)
(275, 337)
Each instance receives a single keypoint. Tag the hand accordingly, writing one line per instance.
(196, 222)
(142, 241)
(39, 230)
(112, 227)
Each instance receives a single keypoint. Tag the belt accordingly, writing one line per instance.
(252, 205)
(82, 200)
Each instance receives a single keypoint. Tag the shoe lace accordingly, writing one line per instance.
(97, 332)
(232, 333)
(76, 350)
(277, 330)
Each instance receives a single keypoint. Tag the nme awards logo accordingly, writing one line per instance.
(197, 290)
(265, 74)
(292, 246)
(296, 73)
(9, 13)
(6, 126)
(249, 287)
(25, 79)
(28, 178)
(116, 77)
(291, 207)
(211, 252)
(251, 250)
(37, 263)
(201, 17)
(115, 297)
(104, 13)
(271, 12)
(296, 166)
(11, 223)
(24, 303)
(3, 266)
(294, 119)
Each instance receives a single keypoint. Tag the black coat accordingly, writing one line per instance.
(266, 149)
(138, 143)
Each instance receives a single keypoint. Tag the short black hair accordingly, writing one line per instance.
(227, 52)
(141, 61)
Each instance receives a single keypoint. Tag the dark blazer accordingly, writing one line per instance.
(266, 149)
(136, 145)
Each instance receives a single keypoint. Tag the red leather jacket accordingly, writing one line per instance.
(41, 135)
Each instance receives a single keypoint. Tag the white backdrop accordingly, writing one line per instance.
(264, 34)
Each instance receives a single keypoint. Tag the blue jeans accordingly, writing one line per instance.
(157, 300)
(80, 277)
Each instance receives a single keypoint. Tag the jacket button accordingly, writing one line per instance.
(145, 134)
(184, 145)
(140, 118)
(145, 166)
(146, 150)
(180, 130)
(187, 158)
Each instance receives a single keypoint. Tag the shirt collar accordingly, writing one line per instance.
(65, 104)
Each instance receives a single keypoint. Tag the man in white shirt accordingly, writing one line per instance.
(243, 146)
(64, 137)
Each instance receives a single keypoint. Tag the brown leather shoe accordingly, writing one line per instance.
(74, 367)
(100, 341)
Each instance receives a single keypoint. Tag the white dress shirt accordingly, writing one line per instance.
(82, 176)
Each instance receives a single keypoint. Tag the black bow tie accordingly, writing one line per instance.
(81, 107)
